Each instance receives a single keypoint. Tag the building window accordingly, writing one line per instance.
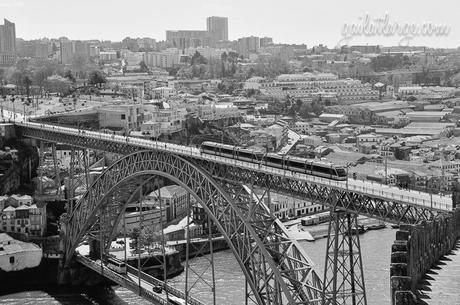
(123, 116)
(11, 259)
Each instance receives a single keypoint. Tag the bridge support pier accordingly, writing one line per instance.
(343, 271)
(194, 276)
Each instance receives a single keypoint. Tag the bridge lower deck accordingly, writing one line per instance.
(131, 281)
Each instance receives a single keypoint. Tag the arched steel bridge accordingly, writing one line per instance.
(261, 245)
(276, 268)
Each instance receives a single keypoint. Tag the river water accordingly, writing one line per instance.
(375, 246)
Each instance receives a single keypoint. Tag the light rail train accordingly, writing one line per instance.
(292, 163)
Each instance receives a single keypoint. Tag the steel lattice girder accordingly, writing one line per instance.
(352, 201)
(263, 251)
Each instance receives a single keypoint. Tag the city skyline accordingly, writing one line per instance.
(291, 22)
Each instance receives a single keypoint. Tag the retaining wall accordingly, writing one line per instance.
(416, 249)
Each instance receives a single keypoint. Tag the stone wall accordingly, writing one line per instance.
(416, 249)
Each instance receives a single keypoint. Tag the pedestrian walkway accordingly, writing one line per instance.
(441, 285)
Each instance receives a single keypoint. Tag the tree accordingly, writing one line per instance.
(68, 74)
(172, 71)
(39, 77)
(135, 234)
(298, 103)
(79, 64)
(272, 66)
(250, 92)
(455, 80)
(16, 76)
(22, 64)
(58, 84)
(96, 78)
(317, 107)
(27, 83)
(305, 110)
(198, 59)
(2, 79)
(143, 67)
(149, 236)
(223, 58)
(221, 87)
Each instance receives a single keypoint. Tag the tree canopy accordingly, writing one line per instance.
(96, 77)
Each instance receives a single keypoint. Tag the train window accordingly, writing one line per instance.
(223, 150)
(208, 147)
(341, 172)
(320, 169)
(245, 154)
(292, 163)
(273, 160)
(298, 164)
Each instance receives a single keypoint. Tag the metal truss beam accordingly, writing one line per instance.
(335, 198)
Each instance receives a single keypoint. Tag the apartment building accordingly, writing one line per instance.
(165, 59)
(7, 43)
(318, 84)
(23, 217)
(174, 198)
(127, 117)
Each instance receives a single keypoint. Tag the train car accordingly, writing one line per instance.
(273, 160)
(323, 217)
(116, 265)
(309, 220)
(230, 151)
(306, 166)
(218, 149)
(326, 170)
(292, 163)
(315, 219)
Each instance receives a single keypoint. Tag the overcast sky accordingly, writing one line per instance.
(289, 21)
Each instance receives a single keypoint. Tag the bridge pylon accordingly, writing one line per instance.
(343, 271)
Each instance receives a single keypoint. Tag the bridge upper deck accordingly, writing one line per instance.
(73, 136)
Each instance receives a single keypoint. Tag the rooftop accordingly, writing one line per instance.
(169, 191)
(9, 209)
(427, 113)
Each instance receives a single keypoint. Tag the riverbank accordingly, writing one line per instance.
(318, 231)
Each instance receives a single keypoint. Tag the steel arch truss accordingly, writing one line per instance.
(275, 267)
(336, 198)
